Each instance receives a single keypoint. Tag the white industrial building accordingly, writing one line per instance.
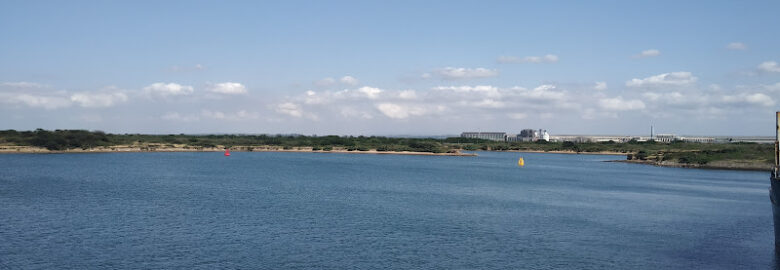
(493, 136)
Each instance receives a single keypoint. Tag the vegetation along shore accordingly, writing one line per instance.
(749, 156)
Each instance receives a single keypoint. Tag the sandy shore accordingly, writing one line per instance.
(182, 148)
(742, 165)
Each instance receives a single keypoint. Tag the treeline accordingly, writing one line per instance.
(678, 151)
(56, 140)
(70, 139)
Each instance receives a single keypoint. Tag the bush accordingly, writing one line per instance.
(641, 155)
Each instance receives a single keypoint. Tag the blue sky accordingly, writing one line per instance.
(384, 68)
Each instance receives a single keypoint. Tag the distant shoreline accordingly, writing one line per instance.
(142, 149)
(735, 165)
(739, 165)
(568, 152)
(744, 165)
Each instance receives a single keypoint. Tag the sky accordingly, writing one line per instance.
(391, 67)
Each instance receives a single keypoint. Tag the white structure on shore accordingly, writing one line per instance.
(526, 135)
(665, 138)
(545, 135)
(532, 135)
(493, 136)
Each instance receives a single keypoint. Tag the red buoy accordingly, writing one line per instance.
(227, 152)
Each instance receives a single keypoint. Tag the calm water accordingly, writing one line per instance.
(341, 211)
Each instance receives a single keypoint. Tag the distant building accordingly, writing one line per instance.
(545, 135)
(698, 139)
(527, 135)
(493, 136)
(571, 138)
(665, 138)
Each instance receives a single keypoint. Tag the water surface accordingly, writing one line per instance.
(344, 211)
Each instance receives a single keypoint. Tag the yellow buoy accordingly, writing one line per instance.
(520, 162)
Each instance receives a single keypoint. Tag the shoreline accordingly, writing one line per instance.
(182, 148)
(143, 149)
(716, 165)
(567, 152)
(742, 165)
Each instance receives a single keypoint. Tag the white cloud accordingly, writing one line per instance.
(168, 89)
(325, 82)
(98, 100)
(769, 66)
(228, 88)
(486, 96)
(346, 80)
(290, 109)
(349, 80)
(349, 112)
(736, 46)
(325, 97)
(669, 98)
(407, 94)
(715, 87)
(488, 103)
(755, 99)
(550, 58)
(237, 116)
(648, 53)
(61, 99)
(772, 87)
(312, 97)
(486, 90)
(370, 92)
(451, 73)
(478, 103)
(600, 86)
(399, 111)
(48, 102)
(620, 104)
(687, 101)
(543, 92)
(518, 116)
(23, 85)
(174, 116)
(666, 79)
